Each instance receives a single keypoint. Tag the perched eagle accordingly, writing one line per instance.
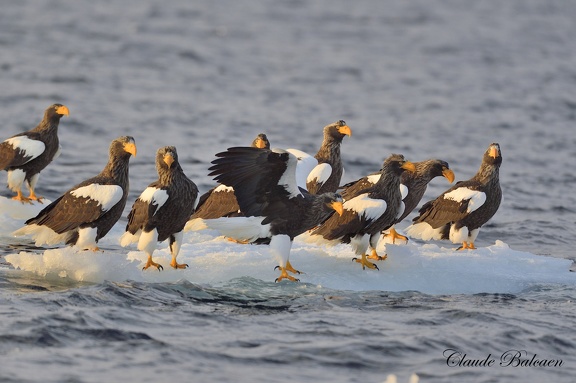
(26, 154)
(220, 201)
(459, 212)
(86, 213)
(412, 187)
(162, 209)
(326, 176)
(367, 211)
(276, 210)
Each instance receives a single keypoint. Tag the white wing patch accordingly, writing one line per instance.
(374, 178)
(366, 206)
(320, 173)
(306, 163)
(477, 198)
(154, 196)
(106, 195)
(223, 188)
(32, 148)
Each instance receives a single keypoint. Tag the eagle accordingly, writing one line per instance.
(163, 208)
(86, 213)
(26, 154)
(459, 212)
(275, 209)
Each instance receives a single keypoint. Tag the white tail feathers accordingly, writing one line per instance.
(42, 235)
(240, 228)
(195, 225)
(424, 231)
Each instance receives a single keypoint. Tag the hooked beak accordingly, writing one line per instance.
(407, 165)
(130, 147)
(168, 159)
(63, 110)
(345, 130)
(338, 207)
(448, 174)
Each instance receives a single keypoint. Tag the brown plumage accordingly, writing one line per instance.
(85, 213)
(327, 175)
(412, 184)
(163, 208)
(367, 211)
(459, 212)
(274, 207)
(25, 155)
(220, 201)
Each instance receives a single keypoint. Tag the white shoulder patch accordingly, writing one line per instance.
(477, 198)
(154, 196)
(30, 147)
(366, 206)
(374, 178)
(106, 195)
(223, 188)
(320, 173)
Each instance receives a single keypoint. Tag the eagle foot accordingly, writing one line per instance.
(364, 262)
(394, 235)
(176, 265)
(376, 257)
(284, 275)
(467, 245)
(151, 263)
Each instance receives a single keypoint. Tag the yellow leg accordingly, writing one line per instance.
(291, 269)
(34, 197)
(394, 234)
(152, 263)
(467, 245)
(364, 262)
(240, 241)
(21, 198)
(374, 255)
(177, 265)
(284, 275)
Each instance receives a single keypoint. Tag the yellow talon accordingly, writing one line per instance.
(177, 265)
(291, 269)
(394, 234)
(150, 263)
(284, 275)
(21, 198)
(374, 255)
(364, 262)
(467, 245)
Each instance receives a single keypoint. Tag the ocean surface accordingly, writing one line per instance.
(425, 78)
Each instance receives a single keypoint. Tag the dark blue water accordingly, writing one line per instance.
(422, 78)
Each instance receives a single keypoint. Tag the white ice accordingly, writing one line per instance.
(434, 268)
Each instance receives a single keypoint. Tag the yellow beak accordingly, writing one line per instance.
(168, 159)
(448, 174)
(345, 130)
(260, 143)
(407, 165)
(493, 152)
(63, 110)
(338, 207)
(130, 147)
